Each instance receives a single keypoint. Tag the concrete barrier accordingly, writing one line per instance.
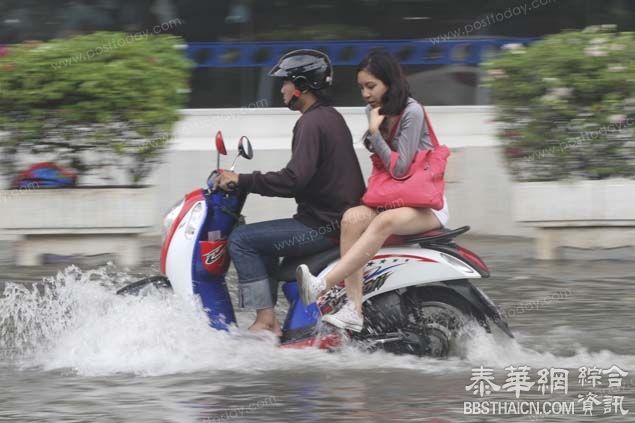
(86, 221)
(581, 214)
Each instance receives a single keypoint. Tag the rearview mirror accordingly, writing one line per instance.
(244, 148)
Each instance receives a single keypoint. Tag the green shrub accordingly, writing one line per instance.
(92, 102)
(566, 105)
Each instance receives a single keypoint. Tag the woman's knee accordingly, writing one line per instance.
(383, 223)
(357, 217)
(405, 221)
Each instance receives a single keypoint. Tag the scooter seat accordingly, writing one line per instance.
(316, 262)
(437, 236)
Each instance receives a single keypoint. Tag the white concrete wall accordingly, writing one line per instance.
(478, 185)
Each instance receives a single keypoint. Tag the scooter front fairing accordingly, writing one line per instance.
(195, 257)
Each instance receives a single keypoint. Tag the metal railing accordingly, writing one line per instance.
(409, 52)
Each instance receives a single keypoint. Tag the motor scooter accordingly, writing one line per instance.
(417, 293)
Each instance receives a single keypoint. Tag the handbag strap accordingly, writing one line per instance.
(433, 136)
(393, 131)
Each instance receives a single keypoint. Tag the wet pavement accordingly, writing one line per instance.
(83, 354)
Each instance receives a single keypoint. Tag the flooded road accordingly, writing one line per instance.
(73, 351)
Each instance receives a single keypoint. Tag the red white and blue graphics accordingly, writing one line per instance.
(194, 265)
(396, 268)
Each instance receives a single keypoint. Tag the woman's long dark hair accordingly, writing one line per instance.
(383, 66)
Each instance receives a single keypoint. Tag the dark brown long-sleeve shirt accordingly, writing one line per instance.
(323, 174)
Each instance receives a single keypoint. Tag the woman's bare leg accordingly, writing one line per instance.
(401, 221)
(355, 221)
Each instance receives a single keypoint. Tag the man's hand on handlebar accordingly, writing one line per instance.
(227, 180)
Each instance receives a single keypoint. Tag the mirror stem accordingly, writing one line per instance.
(231, 169)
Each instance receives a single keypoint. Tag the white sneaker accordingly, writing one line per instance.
(310, 286)
(346, 318)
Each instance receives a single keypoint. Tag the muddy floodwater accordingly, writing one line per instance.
(73, 351)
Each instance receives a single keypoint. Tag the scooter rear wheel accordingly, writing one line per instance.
(439, 323)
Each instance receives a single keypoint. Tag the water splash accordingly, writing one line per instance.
(498, 352)
(76, 321)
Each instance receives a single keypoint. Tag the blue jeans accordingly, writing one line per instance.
(255, 250)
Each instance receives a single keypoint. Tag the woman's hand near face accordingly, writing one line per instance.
(375, 120)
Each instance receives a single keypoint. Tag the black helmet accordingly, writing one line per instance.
(307, 69)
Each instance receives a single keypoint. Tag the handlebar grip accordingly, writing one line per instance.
(211, 180)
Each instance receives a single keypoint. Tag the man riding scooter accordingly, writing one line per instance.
(323, 175)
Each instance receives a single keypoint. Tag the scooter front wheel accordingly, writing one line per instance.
(158, 281)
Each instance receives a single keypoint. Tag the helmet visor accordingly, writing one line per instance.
(278, 72)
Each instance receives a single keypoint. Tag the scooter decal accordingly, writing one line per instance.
(378, 270)
(214, 255)
(375, 284)
(397, 260)
(335, 298)
(381, 267)
(407, 257)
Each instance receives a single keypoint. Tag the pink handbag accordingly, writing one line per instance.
(421, 187)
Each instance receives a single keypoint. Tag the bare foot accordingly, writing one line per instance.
(277, 326)
(259, 327)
